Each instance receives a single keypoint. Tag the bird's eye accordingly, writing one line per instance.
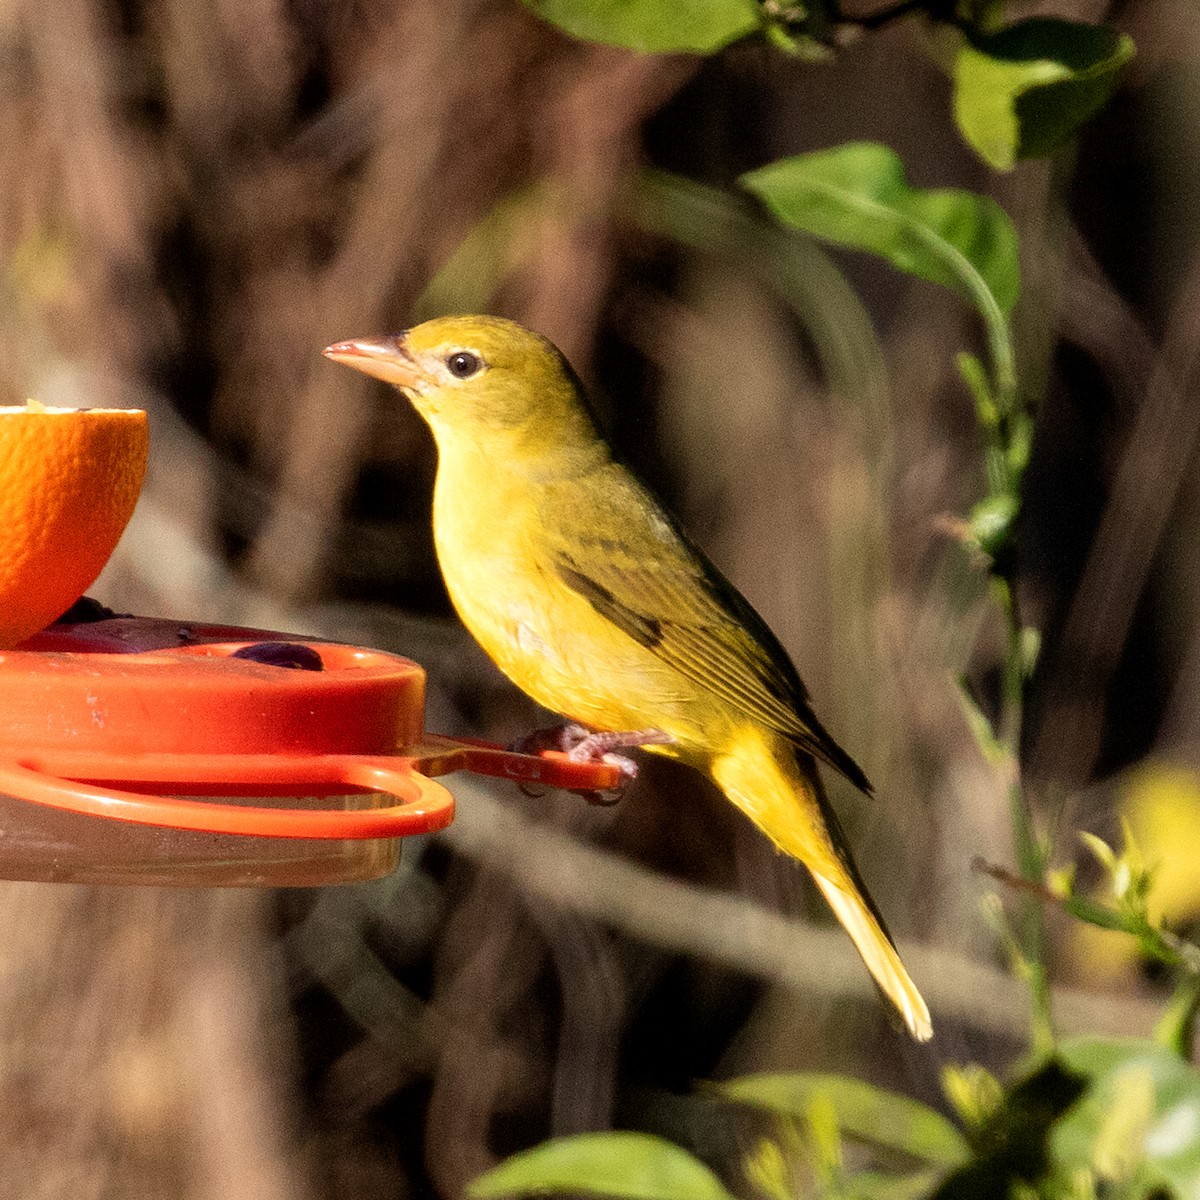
(462, 364)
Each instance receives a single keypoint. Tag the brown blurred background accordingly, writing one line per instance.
(198, 195)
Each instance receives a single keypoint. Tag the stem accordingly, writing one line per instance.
(1177, 1028)
(1006, 445)
(996, 331)
(1025, 843)
(1012, 698)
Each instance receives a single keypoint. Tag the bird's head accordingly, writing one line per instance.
(485, 379)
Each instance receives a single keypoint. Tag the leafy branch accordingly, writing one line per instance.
(1020, 91)
(1099, 1120)
(1128, 881)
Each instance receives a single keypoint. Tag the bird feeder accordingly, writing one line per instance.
(137, 750)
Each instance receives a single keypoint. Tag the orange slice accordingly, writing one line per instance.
(69, 478)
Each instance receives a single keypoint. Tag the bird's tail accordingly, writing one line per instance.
(873, 943)
(787, 802)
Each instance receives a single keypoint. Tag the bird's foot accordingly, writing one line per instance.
(581, 744)
(557, 737)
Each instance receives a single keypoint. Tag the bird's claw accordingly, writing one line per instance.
(583, 745)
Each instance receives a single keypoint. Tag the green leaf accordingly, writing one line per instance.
(766, 1168)
(1012, 1143)
(974, 1091)
(1142, 1105)
(980, 724)
(635, 1166)
(1102, 852)
(991, 523)
(1031, 651)
(1176, 1028)
(654, 26)
(856, 195)
(975, 377)
(1022, 92)
(863, 1112)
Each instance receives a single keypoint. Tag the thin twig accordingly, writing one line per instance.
(554, 868)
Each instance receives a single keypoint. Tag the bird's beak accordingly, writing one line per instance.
(385, 358)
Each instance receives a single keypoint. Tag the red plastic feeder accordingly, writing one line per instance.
(148, 751)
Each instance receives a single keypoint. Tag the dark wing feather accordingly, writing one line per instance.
(665, 594)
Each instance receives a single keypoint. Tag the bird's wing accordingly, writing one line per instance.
(662, 591)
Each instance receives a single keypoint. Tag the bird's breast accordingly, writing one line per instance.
(546, 637)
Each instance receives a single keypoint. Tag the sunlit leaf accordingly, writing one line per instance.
(1102, 852)
(863, 1112)
(991, 522)
(1121, 1137)
(824, 1133)
(634, 1166)
(856, 195)
(974, 1091)
(654, 26)
(1022, 92)
(1162, 1129)
(767, 1169)
(1060, 881)
(1031, 650)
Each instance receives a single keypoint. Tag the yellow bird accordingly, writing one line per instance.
(593, 600)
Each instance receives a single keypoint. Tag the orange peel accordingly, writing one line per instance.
(69, 480)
